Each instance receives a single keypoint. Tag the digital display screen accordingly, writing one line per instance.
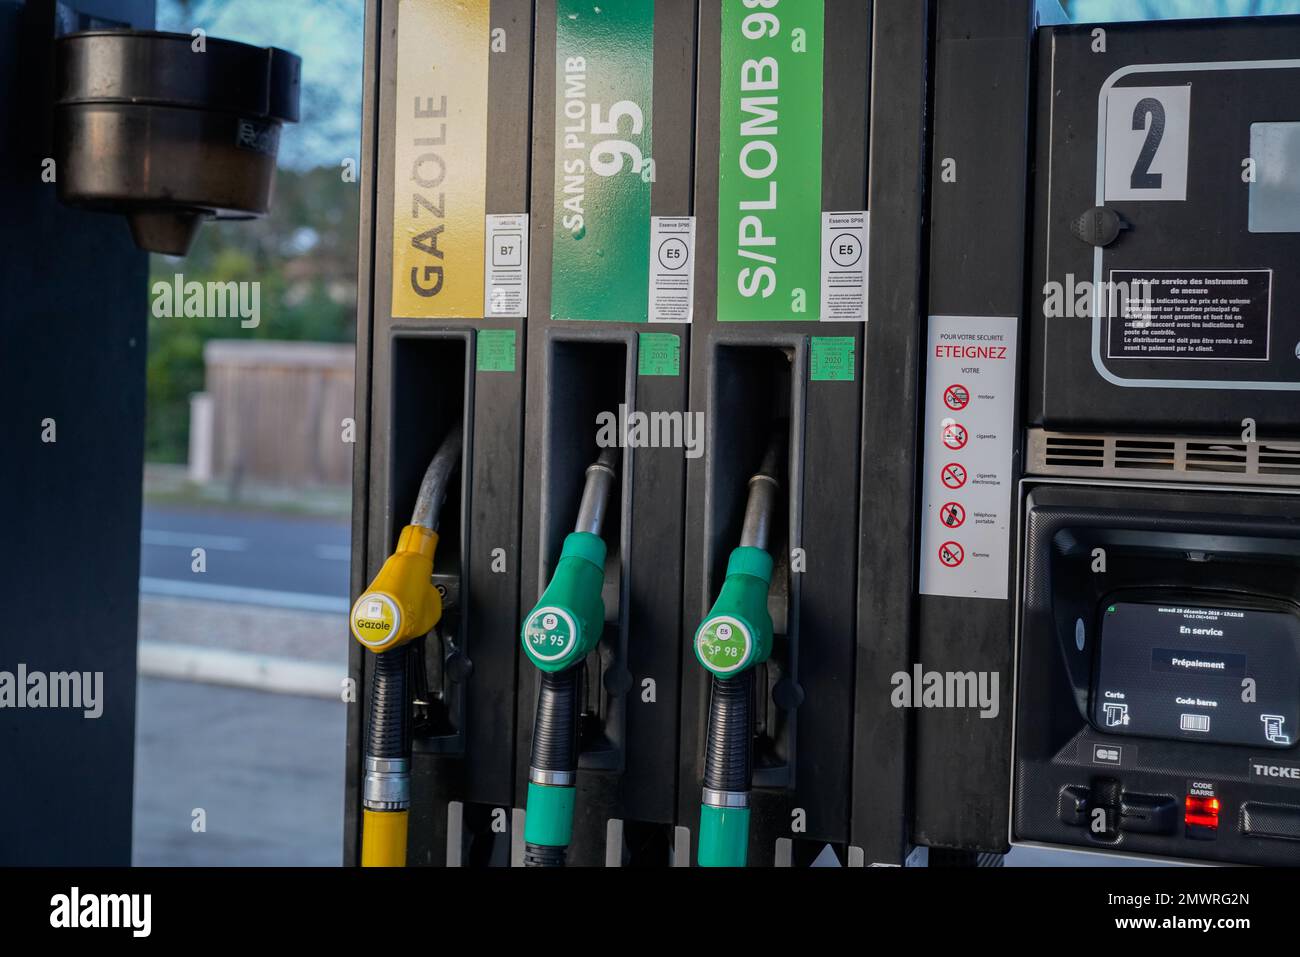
(1190, 671)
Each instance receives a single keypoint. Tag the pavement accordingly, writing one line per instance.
(229, 772)
(265, 770)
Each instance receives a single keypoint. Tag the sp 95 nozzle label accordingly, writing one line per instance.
(549, 634)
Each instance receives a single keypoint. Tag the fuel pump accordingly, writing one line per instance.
(401, 604)
(734, 637)
(557, 635)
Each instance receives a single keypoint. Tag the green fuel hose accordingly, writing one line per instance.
(557, 636)
(733, 638)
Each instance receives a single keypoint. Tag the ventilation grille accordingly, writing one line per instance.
(1161, 457)
(1145, 454)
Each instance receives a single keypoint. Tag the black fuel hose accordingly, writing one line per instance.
(555, 746)
(729, 748)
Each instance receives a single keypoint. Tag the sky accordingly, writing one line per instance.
(1101, 11)
(327, 34)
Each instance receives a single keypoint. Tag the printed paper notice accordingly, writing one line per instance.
(505, 280)
(844, 266)
(672, 268)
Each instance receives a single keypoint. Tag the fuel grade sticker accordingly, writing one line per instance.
(375, 619)
(550, 634)
(723, 644)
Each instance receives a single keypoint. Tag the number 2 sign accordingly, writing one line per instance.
(1147, 134)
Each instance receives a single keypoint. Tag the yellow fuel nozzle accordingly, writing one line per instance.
(401, 603)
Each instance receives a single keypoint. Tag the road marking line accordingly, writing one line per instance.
(216, 543)
(334, 553)
(171, 587)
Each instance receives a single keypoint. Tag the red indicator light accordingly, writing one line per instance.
(1201, 811)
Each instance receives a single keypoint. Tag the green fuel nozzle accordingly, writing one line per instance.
(558, 634)
(735, 636)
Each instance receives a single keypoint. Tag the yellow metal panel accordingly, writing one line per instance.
(440, 161)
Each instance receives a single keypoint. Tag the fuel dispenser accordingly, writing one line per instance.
(780, 177)
(1158, 631)
(441, 341)
(612, 266)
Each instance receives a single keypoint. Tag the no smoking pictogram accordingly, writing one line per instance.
(954, 435)
(956, 397)
(951, 554)
(953, 475)
(952, 515)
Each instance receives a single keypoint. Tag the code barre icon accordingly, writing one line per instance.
(1195, 722)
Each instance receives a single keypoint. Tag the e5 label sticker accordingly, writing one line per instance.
(844, 266)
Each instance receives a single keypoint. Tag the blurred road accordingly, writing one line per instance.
(265, 769)
(264, 559)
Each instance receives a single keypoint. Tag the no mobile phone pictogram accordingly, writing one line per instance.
(951, 554)
(952, 515)
(956, 397)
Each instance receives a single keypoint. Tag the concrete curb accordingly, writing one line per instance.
(241, 669)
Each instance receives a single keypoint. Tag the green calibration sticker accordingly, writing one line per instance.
(604, 77)
(770, 160)
(658, 353)
(832, 359)
(496, 350)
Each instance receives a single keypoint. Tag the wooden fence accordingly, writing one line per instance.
(273, 411)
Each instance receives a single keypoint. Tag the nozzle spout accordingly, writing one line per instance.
(596, 493)
(437, 477)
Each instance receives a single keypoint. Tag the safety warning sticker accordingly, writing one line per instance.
(505, 280)
(1190, 314)
(844, 266)
(672, 268)
(968, 485)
